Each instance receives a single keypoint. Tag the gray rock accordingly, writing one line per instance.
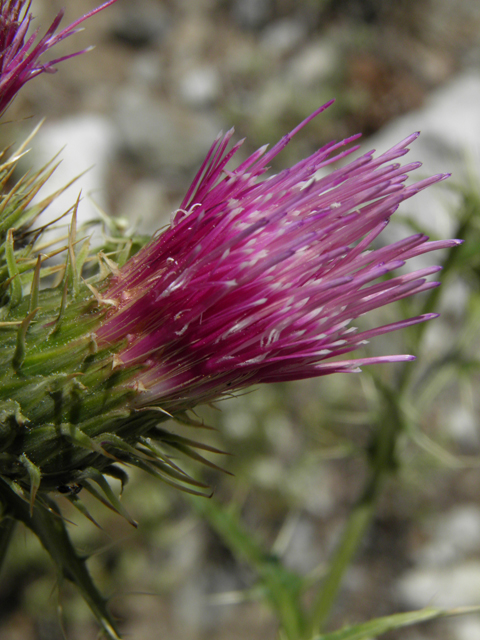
(461, 423)
(455, 534)
(160, 137)
(283, 36)
(251, 14)
(466, 628)
(445, 574)
(141, 23)
(446, 587)
(302, 552)
(314, 64)
(200, 87)
(146, 206)
(147, 70)
(450, 142)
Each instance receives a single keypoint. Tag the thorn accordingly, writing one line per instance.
(93, 342)
(19, 355)
(34, 291)
(72, 238)
(110, 264)
(98, 297)
(63, 305)
(159, 409)
(116, 361)
(16, 285)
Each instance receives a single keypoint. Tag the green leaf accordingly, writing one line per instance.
(114, 502)
(378, 626)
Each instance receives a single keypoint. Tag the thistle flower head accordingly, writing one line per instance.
(260, 280)
(255, 280)
(21, 53)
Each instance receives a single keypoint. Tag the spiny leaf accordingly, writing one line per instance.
(165, 478)
(47, 523)
(79, 505)
(34, 292)
(114, 506)
(188, 446)
(78, 437)
(118, 473)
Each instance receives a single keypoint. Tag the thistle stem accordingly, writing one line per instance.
(382, 464)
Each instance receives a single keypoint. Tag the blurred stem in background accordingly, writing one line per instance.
(283, 588)
(382, 461)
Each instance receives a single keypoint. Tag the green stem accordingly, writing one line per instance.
(47, 523)
(283, 587)
(382, 464)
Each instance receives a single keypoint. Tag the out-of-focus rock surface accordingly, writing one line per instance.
(449, 123)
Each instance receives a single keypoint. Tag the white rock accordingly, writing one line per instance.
(455, 535)
(450, 127)
(86, 143)
(461, 423)
(161, 137)
(146, 207)
(282, 36)
(443, 587)
(313, 64)
(466, 628)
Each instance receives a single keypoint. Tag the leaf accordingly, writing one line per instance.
(379, 626)
(112, 501)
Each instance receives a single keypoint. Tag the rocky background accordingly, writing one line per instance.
(140, 111)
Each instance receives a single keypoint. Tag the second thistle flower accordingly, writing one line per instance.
(259, 281)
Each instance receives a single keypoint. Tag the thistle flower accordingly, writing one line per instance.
(253, 281)
(259, 281)
(20, 54)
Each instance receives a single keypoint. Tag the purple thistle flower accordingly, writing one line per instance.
(20, 54)
(259, 281)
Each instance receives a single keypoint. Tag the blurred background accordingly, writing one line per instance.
(141, 111)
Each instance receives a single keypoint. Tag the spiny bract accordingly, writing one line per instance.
(253, 281)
